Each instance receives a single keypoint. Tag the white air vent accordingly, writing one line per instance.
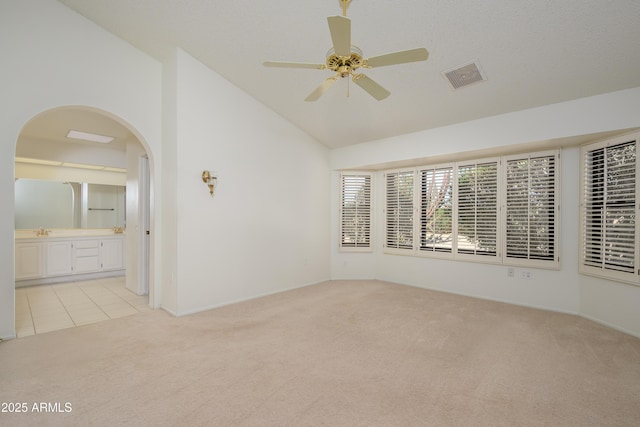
(464, 75)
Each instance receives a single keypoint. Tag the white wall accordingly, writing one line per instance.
(68, 174)
(565, 290)
(267, 227)
(613, 304)
(54, 57)
(602, 113)
(95, 154)
(169, 205)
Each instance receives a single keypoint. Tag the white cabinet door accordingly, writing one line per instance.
(59, 258)
(112, 254)
(29, 261)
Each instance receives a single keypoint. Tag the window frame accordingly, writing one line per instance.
(356, 247)
(528, 262)
(631, 277)
(499, 257)
(397, 249)
(419, 250)
(495, 258)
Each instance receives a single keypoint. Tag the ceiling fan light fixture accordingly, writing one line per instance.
(464, 75)
(344, 59)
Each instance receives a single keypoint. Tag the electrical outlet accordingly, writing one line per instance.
(511, 272)
(526, 274)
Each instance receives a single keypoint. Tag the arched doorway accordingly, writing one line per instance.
(63, 144)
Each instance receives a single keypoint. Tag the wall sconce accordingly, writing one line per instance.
(211, 179)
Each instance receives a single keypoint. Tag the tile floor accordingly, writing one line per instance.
(47, 308)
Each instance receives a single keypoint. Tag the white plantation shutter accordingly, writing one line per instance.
(477, 201)
(436, 209)
(399, 210)
(531, 211)
(497, 210)
(609, 234)
(355, 213)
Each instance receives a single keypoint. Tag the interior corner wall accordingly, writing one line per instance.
(54, 57)
(169, 205)
(266, 228)
(564, 290)
(611, 303)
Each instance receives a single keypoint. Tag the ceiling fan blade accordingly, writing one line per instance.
(373, 88)
(402, 57)
(293, 65)
(317, 93)
(340, 28)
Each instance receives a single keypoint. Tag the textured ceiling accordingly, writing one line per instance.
(533, 53)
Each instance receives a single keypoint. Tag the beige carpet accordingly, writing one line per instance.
(342, 353)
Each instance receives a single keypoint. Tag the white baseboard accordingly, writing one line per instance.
(610, 325)
(72, 278)
(266, 294)
(8, 337)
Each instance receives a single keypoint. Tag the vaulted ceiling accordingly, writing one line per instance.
(532, 53)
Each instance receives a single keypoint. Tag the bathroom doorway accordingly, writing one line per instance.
(47, 150)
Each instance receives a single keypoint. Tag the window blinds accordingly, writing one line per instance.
(399, 210)
(355, 218)
(530, 208)
(436, 209)
(478, 209)
(609, 209)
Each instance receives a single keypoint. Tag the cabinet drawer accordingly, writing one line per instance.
(84, 244)
(82, 252)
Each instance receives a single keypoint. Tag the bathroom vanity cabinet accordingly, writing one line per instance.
(58, 257)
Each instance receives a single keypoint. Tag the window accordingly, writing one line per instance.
(608, 209)
(500, 210)
(436, 209)
(355, 212)
(531, 207)
(478, 209)
(399, 210)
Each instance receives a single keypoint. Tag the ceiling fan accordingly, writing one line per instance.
(344, 59)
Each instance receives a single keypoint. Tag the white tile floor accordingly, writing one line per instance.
(50, 307)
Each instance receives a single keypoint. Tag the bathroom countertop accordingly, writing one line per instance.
(66, 232)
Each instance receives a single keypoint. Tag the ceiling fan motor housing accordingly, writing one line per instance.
(345, 65)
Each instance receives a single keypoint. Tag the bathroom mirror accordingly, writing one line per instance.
(51, 204)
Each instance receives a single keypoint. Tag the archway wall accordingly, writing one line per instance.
(54, 57)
